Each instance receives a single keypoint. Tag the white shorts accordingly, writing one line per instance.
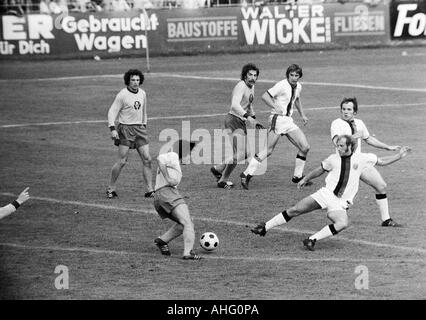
(281, 124)
(327, 200)
(369, 168)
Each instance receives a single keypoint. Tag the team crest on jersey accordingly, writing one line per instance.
(137, 105)
(355, 166)
(251, 98)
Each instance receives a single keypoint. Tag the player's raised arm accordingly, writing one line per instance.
(403, 152)
(373, 141)
(12, 207)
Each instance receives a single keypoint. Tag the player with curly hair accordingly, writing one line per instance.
(130, 107)
(236, 120)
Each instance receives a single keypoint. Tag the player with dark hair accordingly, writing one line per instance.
(341, 185)
(130, 107)
(246, 68)
(133, 72)
(282, 98)
(236, 122)
(170, 204)
(13, 206)
(348, 124)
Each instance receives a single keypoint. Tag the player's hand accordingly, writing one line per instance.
(301, 184)
(259, 126)
(305, 120)
(404, 151)
(172, 182)
(114, 135)
(394, 148)
(24, 196)
(357, 134)
(251, 121)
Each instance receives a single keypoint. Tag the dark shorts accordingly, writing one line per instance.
(165, 200)
(133, 135)
(234, 123)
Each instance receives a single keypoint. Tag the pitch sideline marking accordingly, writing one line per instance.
(245, 258)
(197, 115)
(183, 76)
(230, 222)
(302, 82)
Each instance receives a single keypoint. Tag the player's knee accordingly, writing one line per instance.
(147, 162)
(293, 212)
(305, 149)
(122, 162)
(179, 227)
(381, 187)
(236, 158)
(187, 224)
(341, 224)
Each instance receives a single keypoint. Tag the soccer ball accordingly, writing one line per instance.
(209, 241)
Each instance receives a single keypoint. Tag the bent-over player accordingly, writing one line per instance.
(169, 203)
(341, 185)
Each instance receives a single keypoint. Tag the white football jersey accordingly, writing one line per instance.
(172, 163)
(344, 173)
(340, 127)
(281, 94)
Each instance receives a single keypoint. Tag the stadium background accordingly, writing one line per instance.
(267, 27)
(54, 138)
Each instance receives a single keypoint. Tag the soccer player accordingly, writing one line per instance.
(170, 204)
(347, 124)
(130, 107)
(341, 185)
(13, 206)
(282, 98)
(236, 121)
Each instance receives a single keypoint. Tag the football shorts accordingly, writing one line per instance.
(234, 123)
(165, 200)
(328, 200)
(281, 124)
(133, 135)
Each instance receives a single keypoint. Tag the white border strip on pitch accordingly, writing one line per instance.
(215, 257)
(222, 79)
(230, 222)
(195, 116)
(332, 84)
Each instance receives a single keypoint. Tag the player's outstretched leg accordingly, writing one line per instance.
(245, 179)
(111, 194)
(340, 222)
(162, 245)
(373, 178)
(217, 174)
(192, 256)
(259, 229)
(309, 244)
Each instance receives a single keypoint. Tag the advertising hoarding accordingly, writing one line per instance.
(182, 31)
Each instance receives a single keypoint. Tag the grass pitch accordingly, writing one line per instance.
(54, 138)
